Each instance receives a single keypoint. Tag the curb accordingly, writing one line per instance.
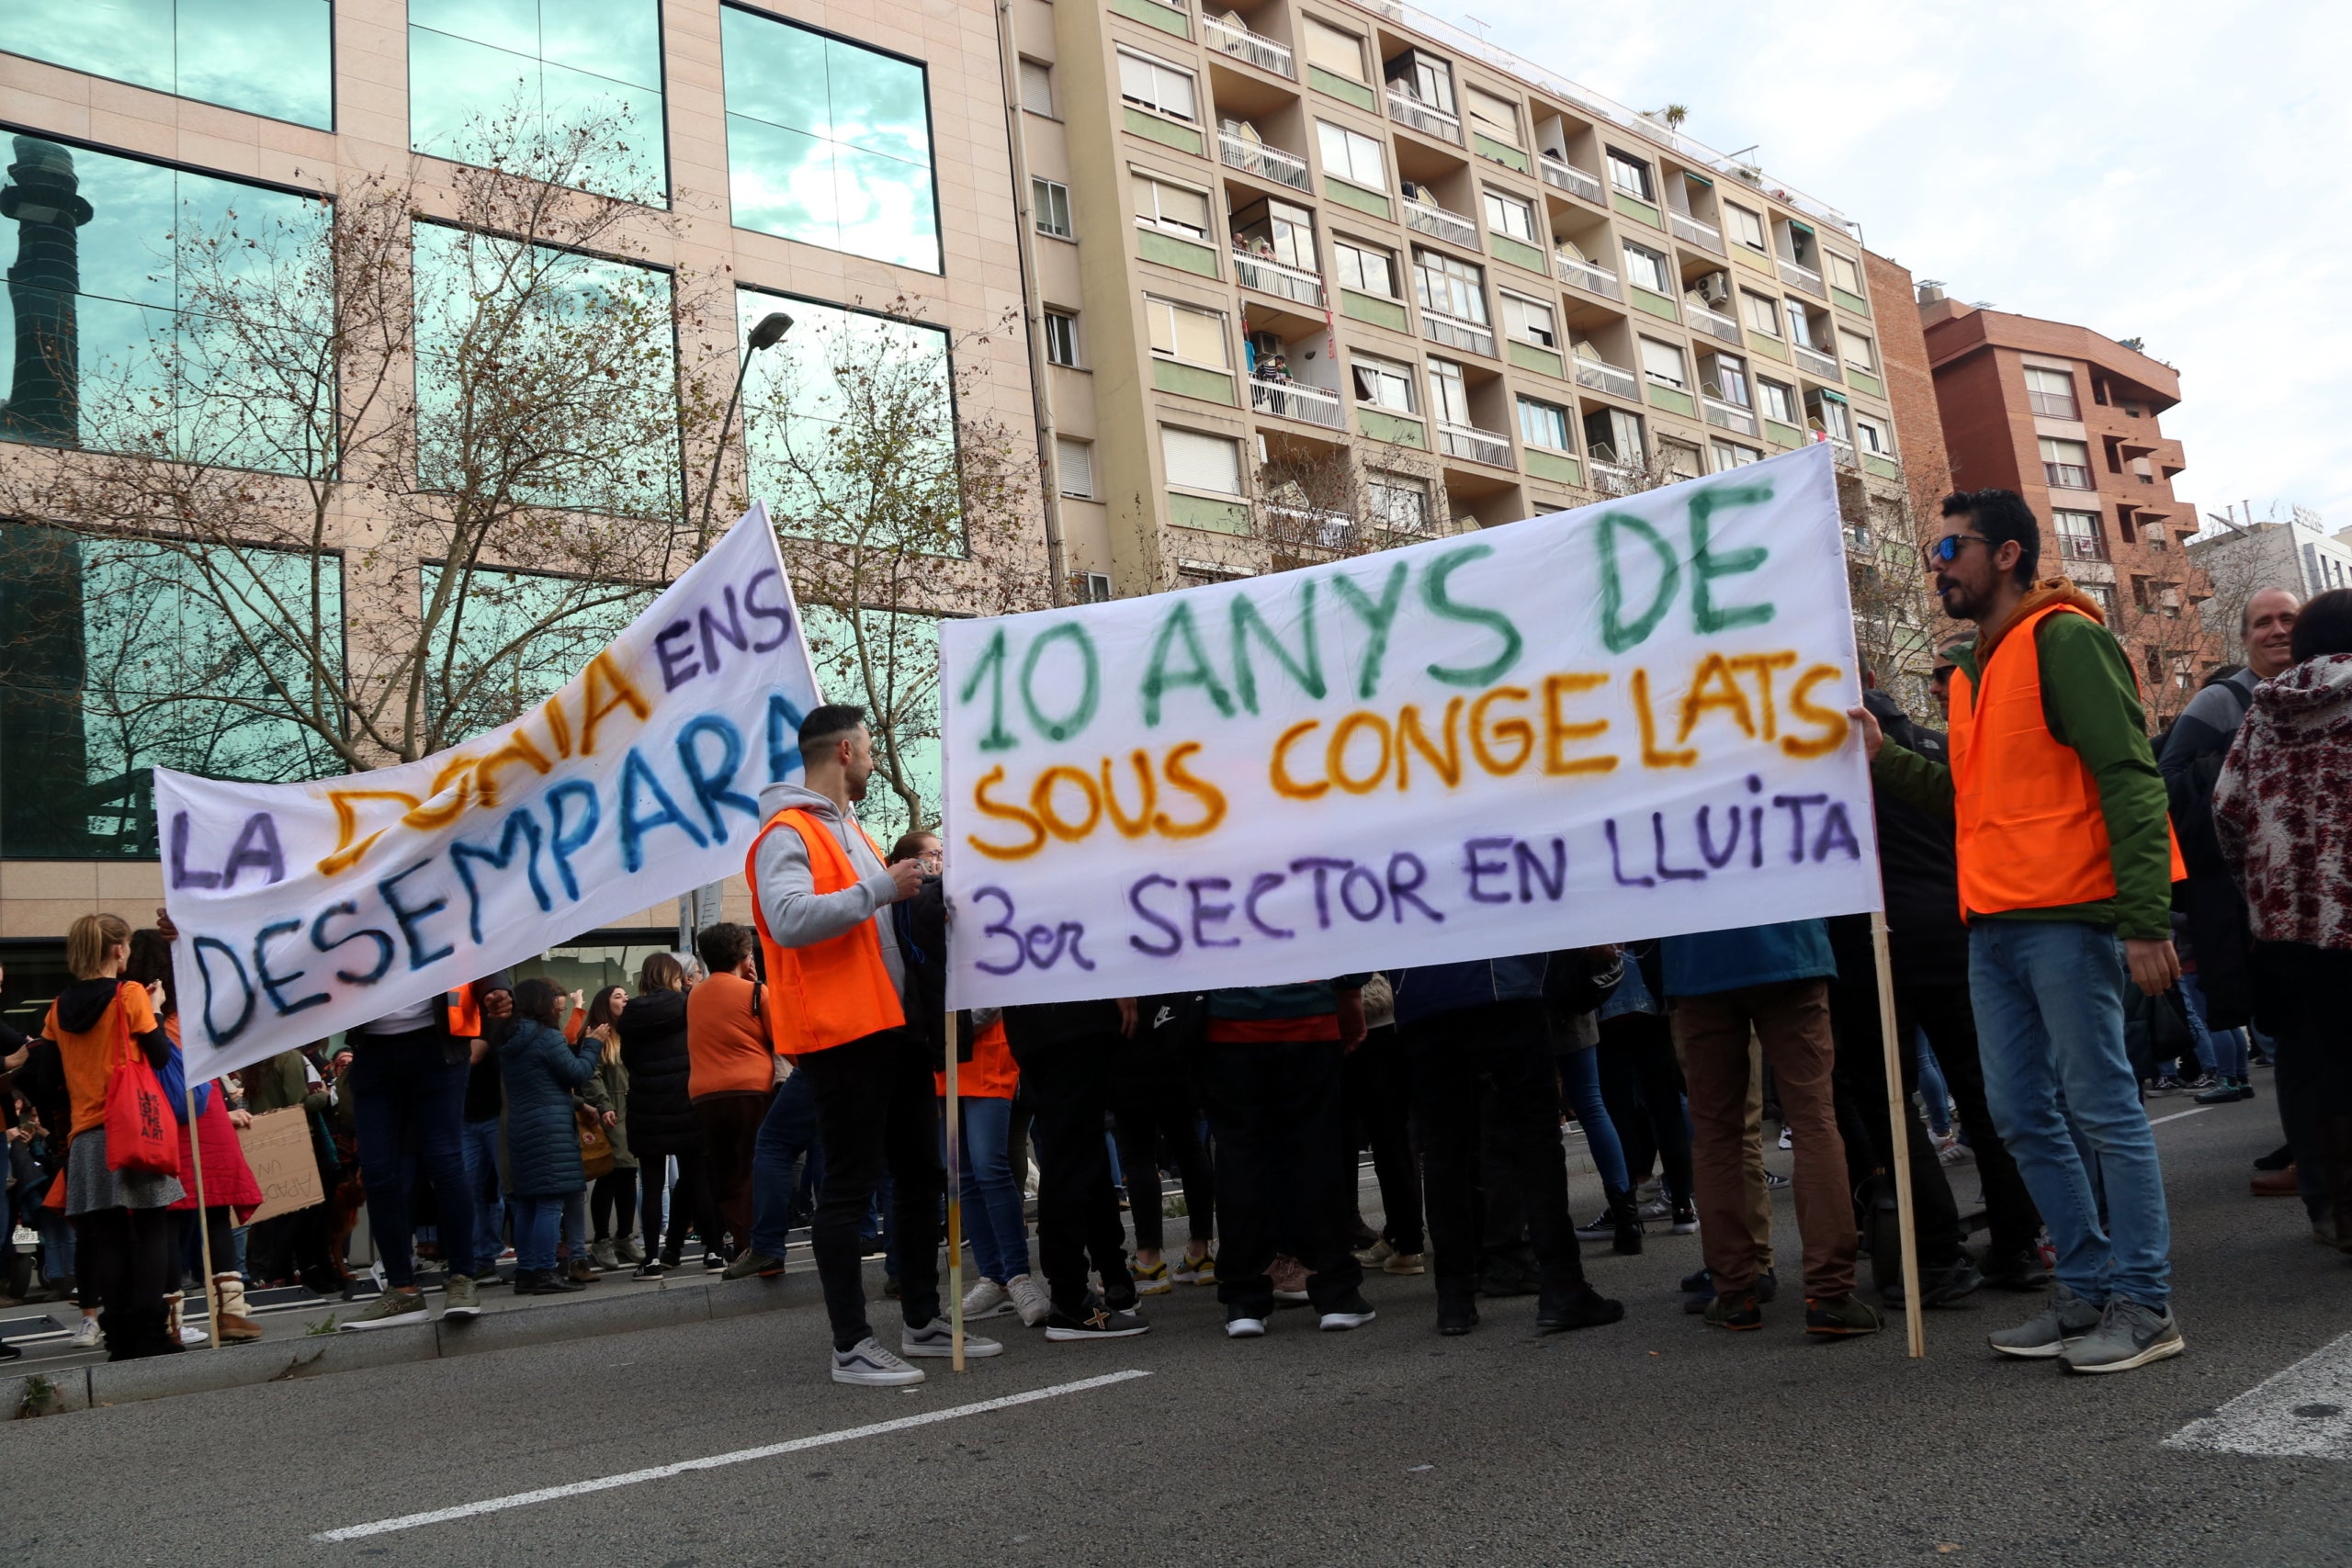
(244, 1366)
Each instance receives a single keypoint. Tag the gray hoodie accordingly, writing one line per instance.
(799, 916)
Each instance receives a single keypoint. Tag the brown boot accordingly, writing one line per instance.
(2274, 1184)
(229, 1318)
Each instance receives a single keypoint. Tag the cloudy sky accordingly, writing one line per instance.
(2180, 173)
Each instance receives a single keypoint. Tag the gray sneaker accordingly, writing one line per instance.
(389, 1310)
(2064, 1319)
(935, 1339)
(873, 1366)
(2128, 1336)
(459, 1298)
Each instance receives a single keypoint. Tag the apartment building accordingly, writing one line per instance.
(1299, 236)
(2070, 420)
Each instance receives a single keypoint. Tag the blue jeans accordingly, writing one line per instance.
(2229, 1044)
(2049, 1001)
(410, 1102)
(536, 1220)
(992, 1216)
(1580, 1078)
(1932, 1087)
(481, 1184)
(787, 1132)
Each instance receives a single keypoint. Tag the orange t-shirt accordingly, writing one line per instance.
(89, 1057)
(989, 1075)
(726, 1041)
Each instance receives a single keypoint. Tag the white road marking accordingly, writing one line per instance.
(715, 1461)
(2306, 1412)
(2160, 1121)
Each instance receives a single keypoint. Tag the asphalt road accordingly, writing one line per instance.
(1654, 1441)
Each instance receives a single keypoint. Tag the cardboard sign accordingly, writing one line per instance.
(277, 1147)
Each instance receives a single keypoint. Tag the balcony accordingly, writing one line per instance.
(1266, 163)
(1242, 44)
(1407, 109)
(2080, 547)
(1584, 275)
(1714, 323)
(2068, 475)
(1603, 377)
(1478, 446)
(1706, 236)
(1427, 217)
(1798, 276)
(1614, 479)
(1569, 177)
(1730, 416)
(1314, 525)
(1267, 275)
(1456, 332)
(1294, 399)
(2053, 405)
(1813, 362)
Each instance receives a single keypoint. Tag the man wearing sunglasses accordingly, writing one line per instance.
(2066, 867)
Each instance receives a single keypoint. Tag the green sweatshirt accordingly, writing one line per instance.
(2091, 703)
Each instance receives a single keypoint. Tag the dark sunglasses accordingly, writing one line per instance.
(1946, 550)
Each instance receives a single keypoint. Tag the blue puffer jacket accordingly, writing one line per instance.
(1449, 988)
(1714, 962)
(542, 1137)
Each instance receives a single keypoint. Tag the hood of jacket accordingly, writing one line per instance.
(2310, 702)
(788, 796)
(2041, 596)
(83, 1002)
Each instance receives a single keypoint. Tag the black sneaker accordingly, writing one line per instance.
(1686, 1220)
(2024, 1271)
(1351, 1311)
(1698, 1291)
(649, 1269)
(1456, 1315)
(2278, 1158)
(1939, 1286)
(1097, 1322)
(1561, 1310)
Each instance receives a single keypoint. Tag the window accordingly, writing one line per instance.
(1352, 156)
(1613, 435)
(1843, 271)
(1049, 201)
(1858, 351)
(1449, 398)
(2104, 596)
(1509, 216)
(1425, 78)
(1629, 175)
(1543, 424)
(1038, 87)
(1177, 208)
(1074, 462)
(1730, 455)
(1155, 83)
(273, 59)
(125, 655)
(1681, 459)
(1871, 436)
(1829, 415)
(1061, 338)
(1763, 315)
(1662, 363)
(1745, 228)
(1181, 331)
(1340, 53)
(2051, 393)
(1800, 325)
(828, 141)
(1195, 461)
(1450, 288)
(1495, 115)
(1780, 402)
(2078, 535)
(162, 320)
(1383, 383)
(1644, 267)
(2066, 464)
(557, 68)
(1725, 378)
(1363, 268)
(1530, 321)
(1397, 501)
(516, 638)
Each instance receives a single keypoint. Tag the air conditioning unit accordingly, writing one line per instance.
(1094, 586)
(1715, 288)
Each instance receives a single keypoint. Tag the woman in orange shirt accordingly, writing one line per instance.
(992, 1205)
(123, 1219)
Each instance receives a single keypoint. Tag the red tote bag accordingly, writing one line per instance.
(141, 1134)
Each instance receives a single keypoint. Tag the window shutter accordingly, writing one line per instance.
(1201, 462)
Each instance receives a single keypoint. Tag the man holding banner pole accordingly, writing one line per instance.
(836, 1000)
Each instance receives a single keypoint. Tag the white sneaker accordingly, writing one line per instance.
(1245, 1328)
(987, 1299)
(87, 1334)
(191, 1334)
(873, 1366)
(1788, 1139)
(936, 1339)
(1030, 1299)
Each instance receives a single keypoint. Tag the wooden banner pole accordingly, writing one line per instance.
(1898, 1113)
(203, 1230)
(955, 1206)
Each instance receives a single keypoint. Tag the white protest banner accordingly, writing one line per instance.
(306, 908)
(1620, 722)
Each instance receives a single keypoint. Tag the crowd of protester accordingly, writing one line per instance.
(2079, 919)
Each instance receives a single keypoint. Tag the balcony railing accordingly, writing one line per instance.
(1293, 400)
(2078, 547)
(1813, 362)
(1706, 236)
(1267, 275)
(1438, 224)
(2068, 475)
(1614, 479)
(1602, 377)
(1407, 109)
(1266, 163)
(1478, 446)
(1591, 279)
(1715, 324)
(1570, 178)
(1313, 525)
(1730, 416)
(1456, 332)
(1242, 44)
(1798, 276)
(2053, 405)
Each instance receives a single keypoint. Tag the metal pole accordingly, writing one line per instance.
(759, 339)
(1898, 1112)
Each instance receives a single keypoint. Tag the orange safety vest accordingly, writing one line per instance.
(465, 1013)
(991, 1074)
(833, 991)
(2031, 835)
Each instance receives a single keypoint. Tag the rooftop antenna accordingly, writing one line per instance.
(1478, 24)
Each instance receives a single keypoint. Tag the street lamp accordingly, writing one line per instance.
(770, 330)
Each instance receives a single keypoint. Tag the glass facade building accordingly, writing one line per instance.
(274, 58)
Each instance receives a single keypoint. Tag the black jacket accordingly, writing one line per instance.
(2221, 932)
(919, 924)
(653, 1049)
